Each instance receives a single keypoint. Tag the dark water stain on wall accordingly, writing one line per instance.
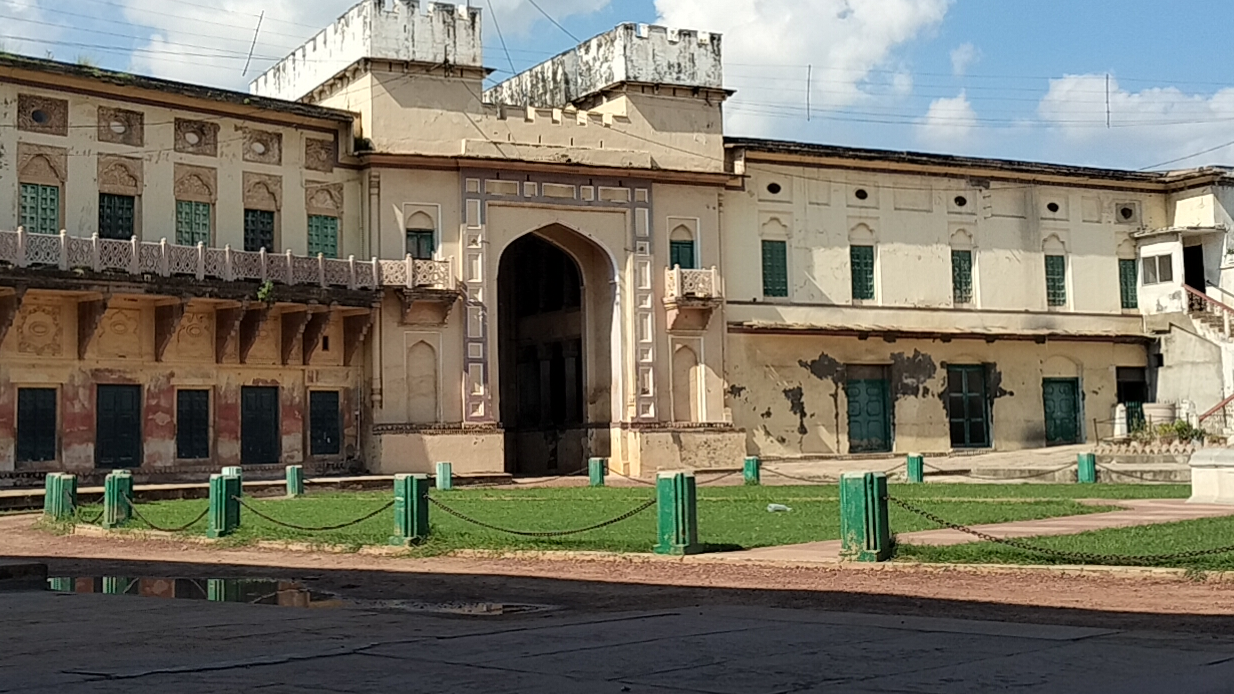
(767, 414)
(797, 405)
(910, 374)
(824, 368)
(736, 391)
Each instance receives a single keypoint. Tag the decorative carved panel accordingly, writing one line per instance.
(195, 336)
(319, 155)
(197, 137)
(121, 126)
(48, 166)
(41, 114)
(40, 331)
(196, 183)
(120, 334)
(263, 192)
(120, 175)
(263, 147)
(324, 198)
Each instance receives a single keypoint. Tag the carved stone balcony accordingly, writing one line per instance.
(690, 296)
(427, 289)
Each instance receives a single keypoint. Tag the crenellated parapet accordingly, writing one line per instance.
(630, 53)
(395, 30)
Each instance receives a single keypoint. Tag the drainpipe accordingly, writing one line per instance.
(374, 214)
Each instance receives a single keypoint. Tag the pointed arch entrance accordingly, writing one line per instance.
(555, 315)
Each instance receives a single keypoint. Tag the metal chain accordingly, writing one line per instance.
(323, 528)
(1082, 557)
(813, 480)
(721, 477)
(137, 514)
(1128, 474)
(970, 475)
(543, 534)
(632, 479)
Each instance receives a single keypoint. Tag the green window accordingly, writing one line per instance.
(192, 223)
(259, 230)
(775, 268)
(420, 244)
(962, 276)
(681, 253)
(1127, 284)
(323, 235)
(40, 208)
(861, 259)
(116, 216)
(1056, 280)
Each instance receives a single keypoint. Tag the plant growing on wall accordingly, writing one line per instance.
(265, 293)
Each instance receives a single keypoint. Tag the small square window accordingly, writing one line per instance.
(323, 235)
(1158, 269)
(421, 243)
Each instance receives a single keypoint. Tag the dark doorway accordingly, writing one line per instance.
(869, 409)
(1132, 384)
(259, 425)
(968, 408)
(1193, 268)
(542, 324)
(1062, 410)
(324, 428)
(117, 438)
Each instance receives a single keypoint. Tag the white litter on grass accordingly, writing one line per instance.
(778, 508)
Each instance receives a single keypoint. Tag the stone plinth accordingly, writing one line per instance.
(1212, 476)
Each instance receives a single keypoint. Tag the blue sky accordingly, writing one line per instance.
(1005, 78)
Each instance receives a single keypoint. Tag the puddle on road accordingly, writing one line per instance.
(273, 592)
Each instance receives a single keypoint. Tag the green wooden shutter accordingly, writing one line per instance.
(192, 223)
(259, 230)
(962, 276)
(1056, 280)
(775, 268)
(116, 216)
(323, 235)
(40, 208)
(1127, 284)
(681, 253)
(420, 244)
(861, 259)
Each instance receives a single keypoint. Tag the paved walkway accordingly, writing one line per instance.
(78, 643)
(1136, 512)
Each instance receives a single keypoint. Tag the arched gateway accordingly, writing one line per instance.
(556, 296)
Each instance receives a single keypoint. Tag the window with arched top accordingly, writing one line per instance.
(681, 250)
(421, 236)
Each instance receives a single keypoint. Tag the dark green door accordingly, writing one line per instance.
(117, 438)
(324, 435)
(869, 420)
(967, 407)
(259, 425)
(1062, 410)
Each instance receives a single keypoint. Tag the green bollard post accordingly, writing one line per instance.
(1086, 468)
(445, 477)
(224, 514)
(117, 497)
(67, 496)
(916, 468)
(222, 590)
(410, 509)
(752, 471)
(237, 472)
(597, 468)
(51, 495)
(62, 585)
(864, 527)
(295, 481)
(115, 585)
(677, 514)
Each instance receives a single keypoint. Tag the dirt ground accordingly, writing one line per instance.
(591, 585)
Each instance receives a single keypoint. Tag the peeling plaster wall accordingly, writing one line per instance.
(788, 393)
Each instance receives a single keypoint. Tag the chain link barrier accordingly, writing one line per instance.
(138, 515)
(1131, 475)
(77, 511)
(542, 534)
(825, 479)
(388, 505)
(1081, 557)
(632, 479)
(985, 478)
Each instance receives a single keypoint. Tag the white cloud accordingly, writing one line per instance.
(949, 124)
(963, 57)
(30, 10)
(1154, 125)
(768, 44)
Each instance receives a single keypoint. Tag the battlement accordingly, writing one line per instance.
(381, 29)
(629, 53)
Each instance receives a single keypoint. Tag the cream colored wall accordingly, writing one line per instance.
(787, 392)
(912, 220)
(157, 205)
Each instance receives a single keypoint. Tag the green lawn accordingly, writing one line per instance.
(729, 517)
(1163, 538)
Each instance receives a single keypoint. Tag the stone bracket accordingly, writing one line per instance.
(10, 304)
(89, 316)
(318, 324)
(423, 306)
(250, 329)
(690, 315)
(355, 329)
(226, 327)
(166, 322)
(293, 325)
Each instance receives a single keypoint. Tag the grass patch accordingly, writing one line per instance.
(728, 516)
(1162, 538)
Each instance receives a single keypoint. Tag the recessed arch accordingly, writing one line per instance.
(1053, 245)
(961, 240)
(422, 382)
(861, 234)
(686, 385)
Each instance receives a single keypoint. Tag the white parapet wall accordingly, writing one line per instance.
(1212, 476)
(382, 29)
(629, 53)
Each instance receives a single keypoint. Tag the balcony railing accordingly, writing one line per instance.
(693, 284)
(164, 259)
